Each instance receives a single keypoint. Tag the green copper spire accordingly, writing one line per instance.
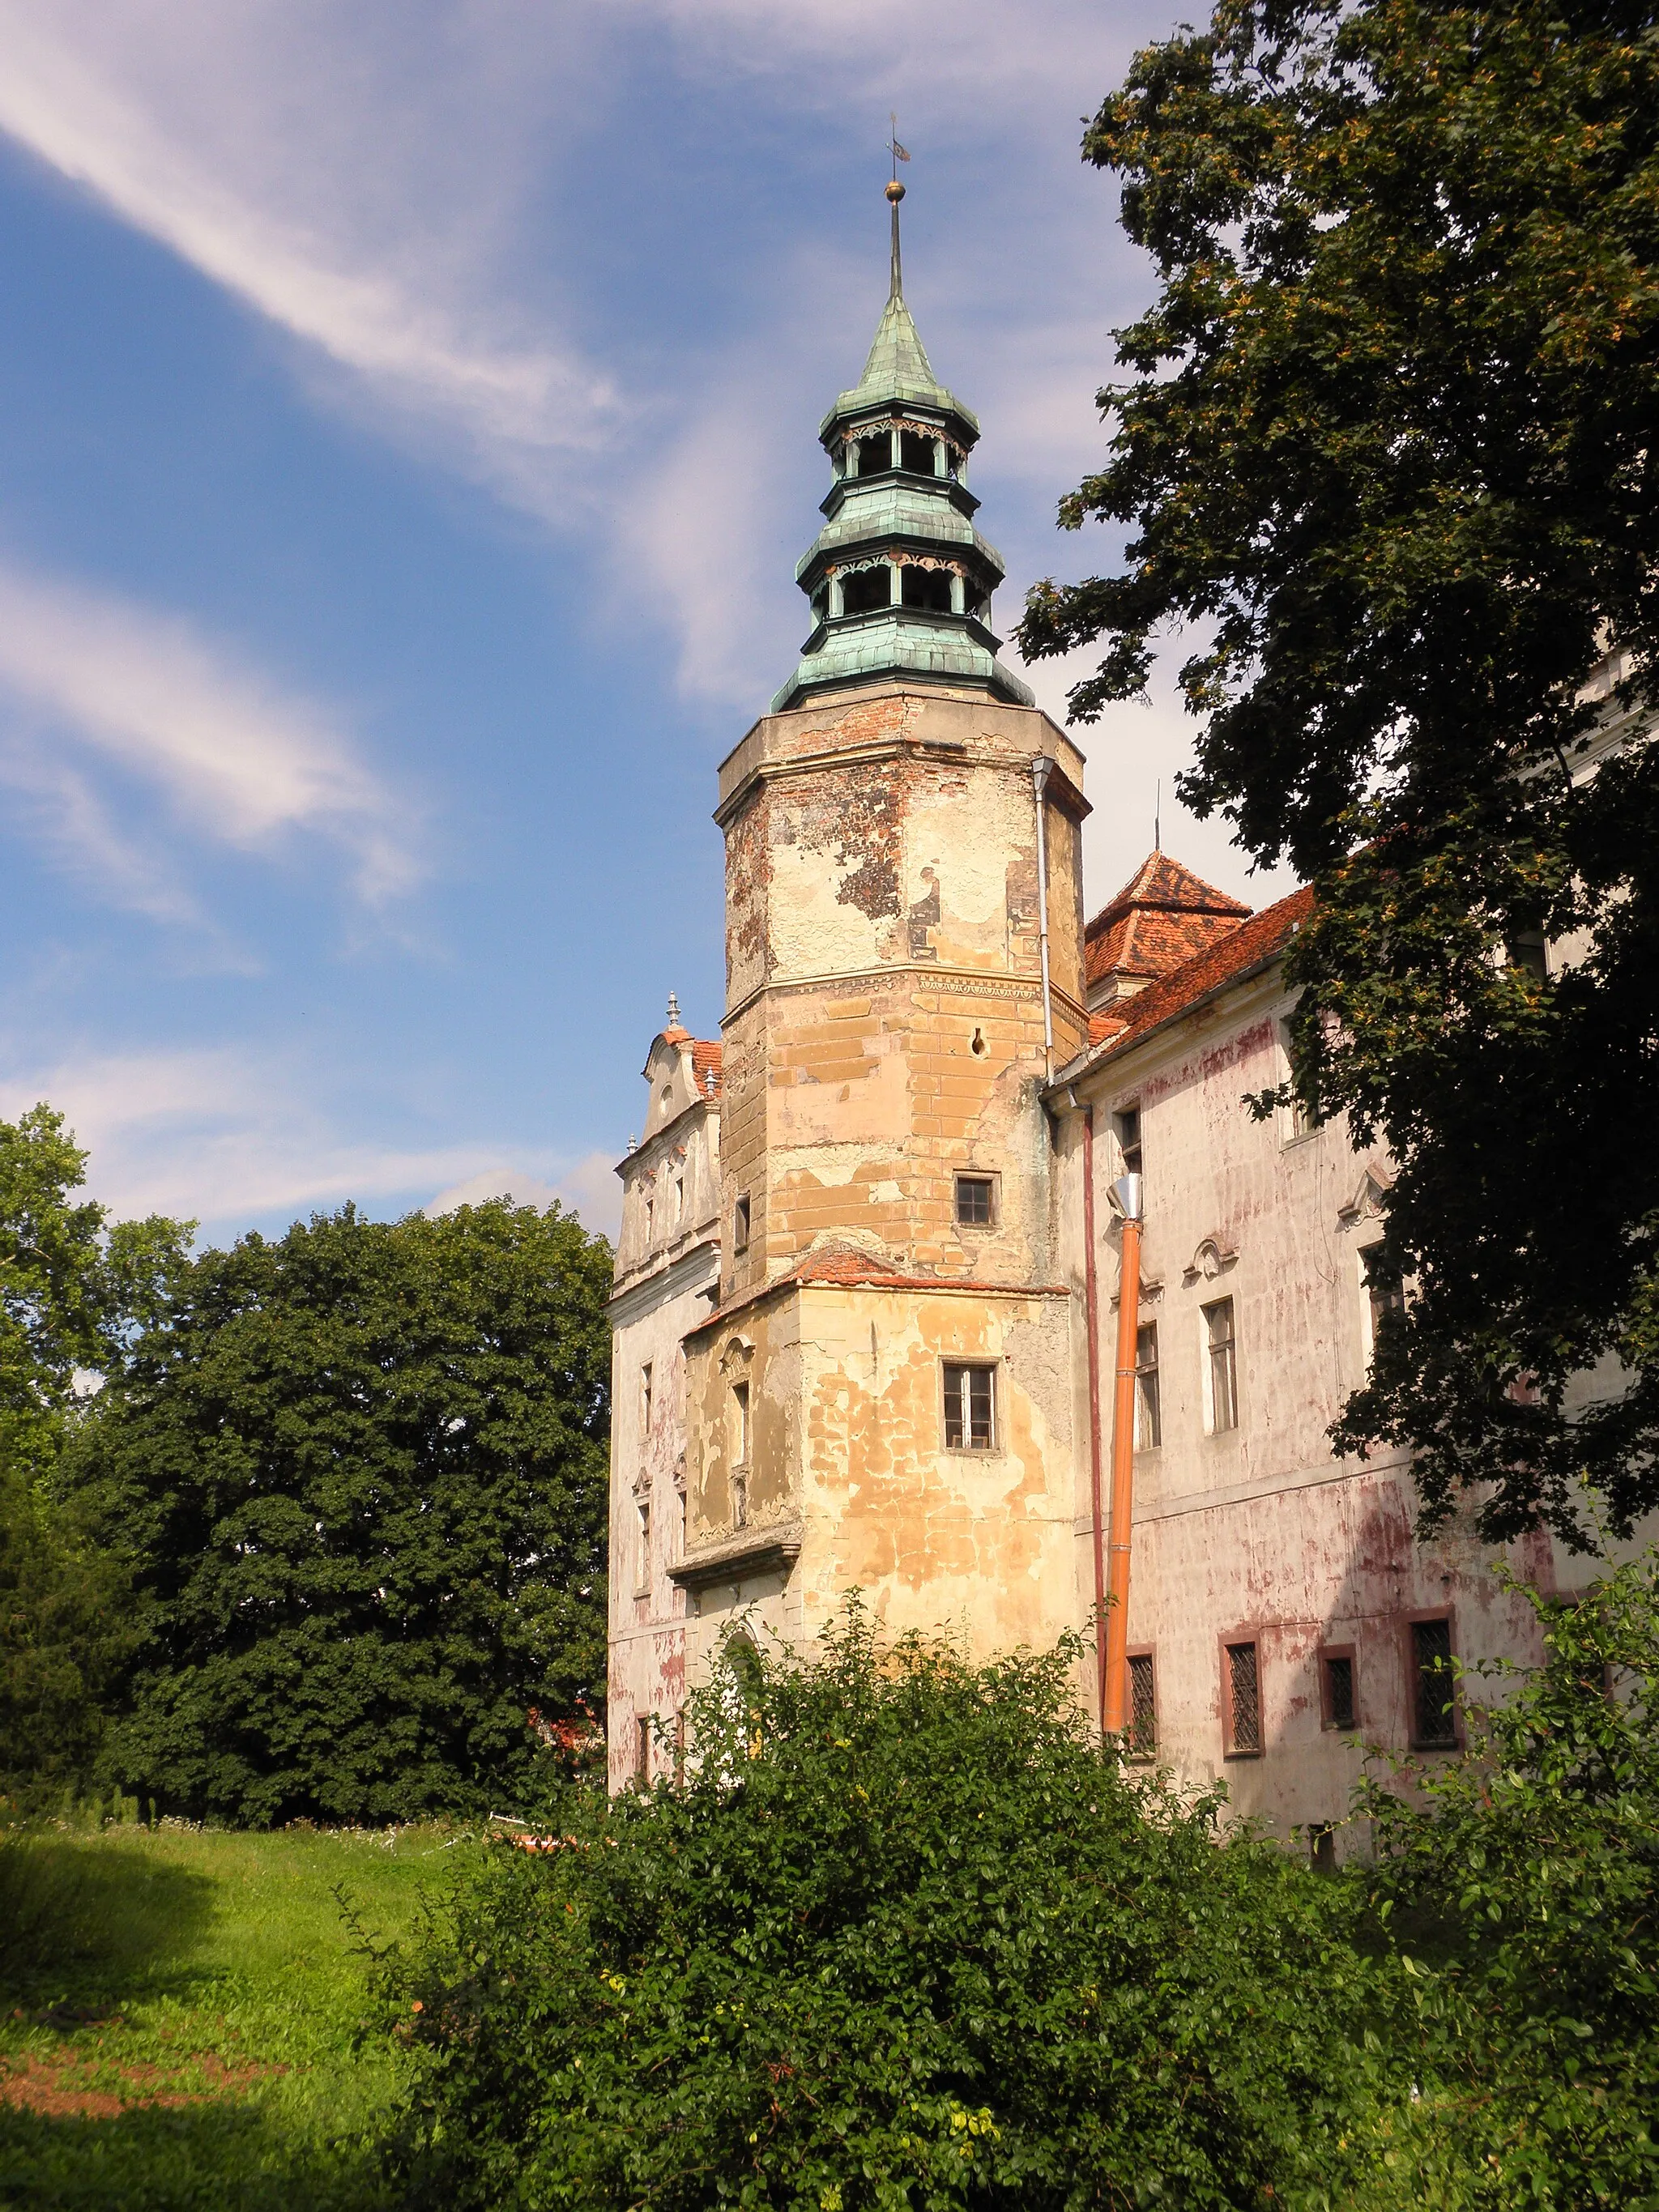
(900, 580)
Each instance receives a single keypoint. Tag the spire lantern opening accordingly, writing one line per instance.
(899, 580)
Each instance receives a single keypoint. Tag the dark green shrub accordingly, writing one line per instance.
(904, 1935)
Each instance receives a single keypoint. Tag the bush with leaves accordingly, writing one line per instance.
(1521, 1884)
(903, 1934)
(361, 1473)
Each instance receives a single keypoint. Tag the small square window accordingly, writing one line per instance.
(1143, 1706)
(970, 1406)
(1338, 1705)
(1432, 1686)
(1149, 1415)
(976, 1201)
(1242, 1688)
(1221, 1350)
(740, 1224)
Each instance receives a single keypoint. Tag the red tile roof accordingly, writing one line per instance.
(1249, 945)
(1164, 916)
(706, 1067)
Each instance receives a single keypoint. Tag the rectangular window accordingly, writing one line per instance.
(739, 1447)
(650, 1218)
(642, 1560)
(1385, 1291)
(679, 1200)
(1149, 1414)
(1128, 1138)
(1321, 1847)
(1434, 1709)
(645, 1398)
(976, 1198)
(740, 1224)
(1530, 953)
(1143, 1706)
(643, 1749)
(1221, 1350)
(1242, 1689)
(1337, 1709)
(970, 1406)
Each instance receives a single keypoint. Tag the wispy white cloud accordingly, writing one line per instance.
(230, 1136)
(297, 160)
(236, 756)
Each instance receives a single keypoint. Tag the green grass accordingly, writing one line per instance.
(187, 2020)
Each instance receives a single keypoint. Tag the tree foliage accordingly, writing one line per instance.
(73, 1288)
(904, 1933)
(1525, 1877)
(1389, 440)
(361, 1473)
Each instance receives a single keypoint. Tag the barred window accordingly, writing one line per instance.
(1149, 1412)
(1221, 1350)
(975, 1200)
(1244, 1693)
(1143, 1706)
(1339, 1700)
(970, 1406)
(1434, 1715)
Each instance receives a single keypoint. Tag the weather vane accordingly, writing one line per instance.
(896, 193)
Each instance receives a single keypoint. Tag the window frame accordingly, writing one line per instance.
(1328, 1720)
(642, 1543)
(1226, 1644)
(1129, 1135)
(1208, 1349)
(1417, 1617)
(1143, 1370)
(993, 1183)
(1368, 1293)
(968, 1449)
(1136, 1755)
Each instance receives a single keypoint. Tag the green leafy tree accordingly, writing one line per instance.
(1522, 1880)
(903, 1934)
(362, 1473)
(1388, 448)
(73, 1288)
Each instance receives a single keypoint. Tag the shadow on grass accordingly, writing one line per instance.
(87, 1926)
(198, 2158)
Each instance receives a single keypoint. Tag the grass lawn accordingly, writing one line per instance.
(185, 2022)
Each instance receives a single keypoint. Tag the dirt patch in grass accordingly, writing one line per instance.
(63, 2088)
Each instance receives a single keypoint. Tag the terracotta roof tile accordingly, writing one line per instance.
(1244, 947)
(706, 1067)
(1164, 916)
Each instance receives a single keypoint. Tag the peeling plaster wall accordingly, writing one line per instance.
(1259, 1532)
(848, 1421)
(665, 1284)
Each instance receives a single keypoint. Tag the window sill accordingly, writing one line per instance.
(1241, 1754)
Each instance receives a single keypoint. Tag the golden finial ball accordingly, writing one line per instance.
(895, 192)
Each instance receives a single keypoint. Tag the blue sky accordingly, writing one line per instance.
(406, 437)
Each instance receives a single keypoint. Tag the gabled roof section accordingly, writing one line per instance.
(1162, 917)
(1248, 945)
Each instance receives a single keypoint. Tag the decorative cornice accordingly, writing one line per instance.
(966, 983)
(751, 1551)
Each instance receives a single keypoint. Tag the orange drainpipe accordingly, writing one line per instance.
(1091, 1322)
(1114, 1704)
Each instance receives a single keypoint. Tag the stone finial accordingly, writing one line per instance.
(673, 1020)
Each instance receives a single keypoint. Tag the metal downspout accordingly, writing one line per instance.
(1091, 1322)
(1126, 1193)
(1042, 768)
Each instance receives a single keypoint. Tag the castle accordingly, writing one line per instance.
(866, 1305)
